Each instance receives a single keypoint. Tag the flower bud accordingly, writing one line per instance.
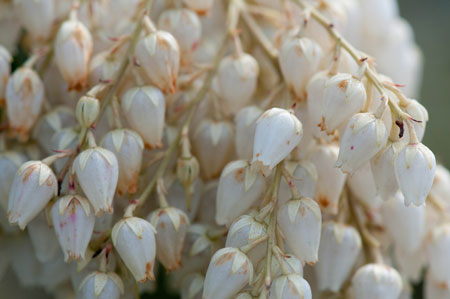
(144, 108)
(188, 170)
(24, 98)
(185, 26)
(364, 136)
(299, 59)
(36, 16)
(171, 225)
(404, 224)
(382, 165)
(414, 168)
(9, 164)
(290, 286)
(304, 178)
(376, 281)
(438, 250)
(97, 171)
(228, 272)
(5, 70)
(300, 222)
(244, 231)
(213, 146)
(101, 285)
(87, 110)
(201, 7)
(128, 148)
(278, 131)
(134, 240)
(330, 179)
(192, 286)
(236, 81)
(239, 188)
(73, 221)
(245, 122)
(344, 96)
(339, 248)
(73, 49)
(159, 55)
(32, 188)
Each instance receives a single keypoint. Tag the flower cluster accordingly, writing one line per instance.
(249, 147)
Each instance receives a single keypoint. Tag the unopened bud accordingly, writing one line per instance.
(187, 170)
(87, 111)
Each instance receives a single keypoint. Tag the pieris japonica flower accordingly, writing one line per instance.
(438, 253)
(245, 122)
(134, 240)
(188, 170)
(102, 67)
(32, 188)
(159, 55)
(277, 132)
(101, 285)
(236, 81)
(24, 98)
(300, 222)
(376, 281)
(97, 171)
(36, 16)
(315, 100)
(144, 109)
(128, 148)
(185, 26)
(5, 69)
(290, 286)
(304, 177)
(405, 224)
(414, 168)
(73, 50)
(213, 144)
(228, 272)
(344, 96)
(239, 188)
(73, 221)
(9, 164)
(339, 248)
(364, 136)
(87, 110)
(244, 231)
(299, 59)
(201, 7)
(171, 226)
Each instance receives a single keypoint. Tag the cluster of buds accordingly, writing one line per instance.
(245, 146)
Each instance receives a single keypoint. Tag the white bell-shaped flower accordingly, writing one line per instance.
(213, 145)
(304, 177)
(376, 281)
(144, 109)
(330, 179)
(32, 188)
(239, 188)
(102, 67)
(438, 250)
(382, 165)
(363, 138)
(245, 122)
(101, 285)
(419, 113)
(134, 240)
(244, 231)
(97, 171)
(159, 55)
(404, 224)
(290, 286)
(277, 132)
(300, 222)
(24, 97)
(73, 221)
(171, 225)
(228, 272)
(36, 16)
(185, 26)
(128, 148)
(73, 50)
(236, 81)
(344, 96)
(299, 59)
(340, 246)
(9, 164)
(43, 239)
(414, 169)
(5, 70)
(201, 7)
(315, 90)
